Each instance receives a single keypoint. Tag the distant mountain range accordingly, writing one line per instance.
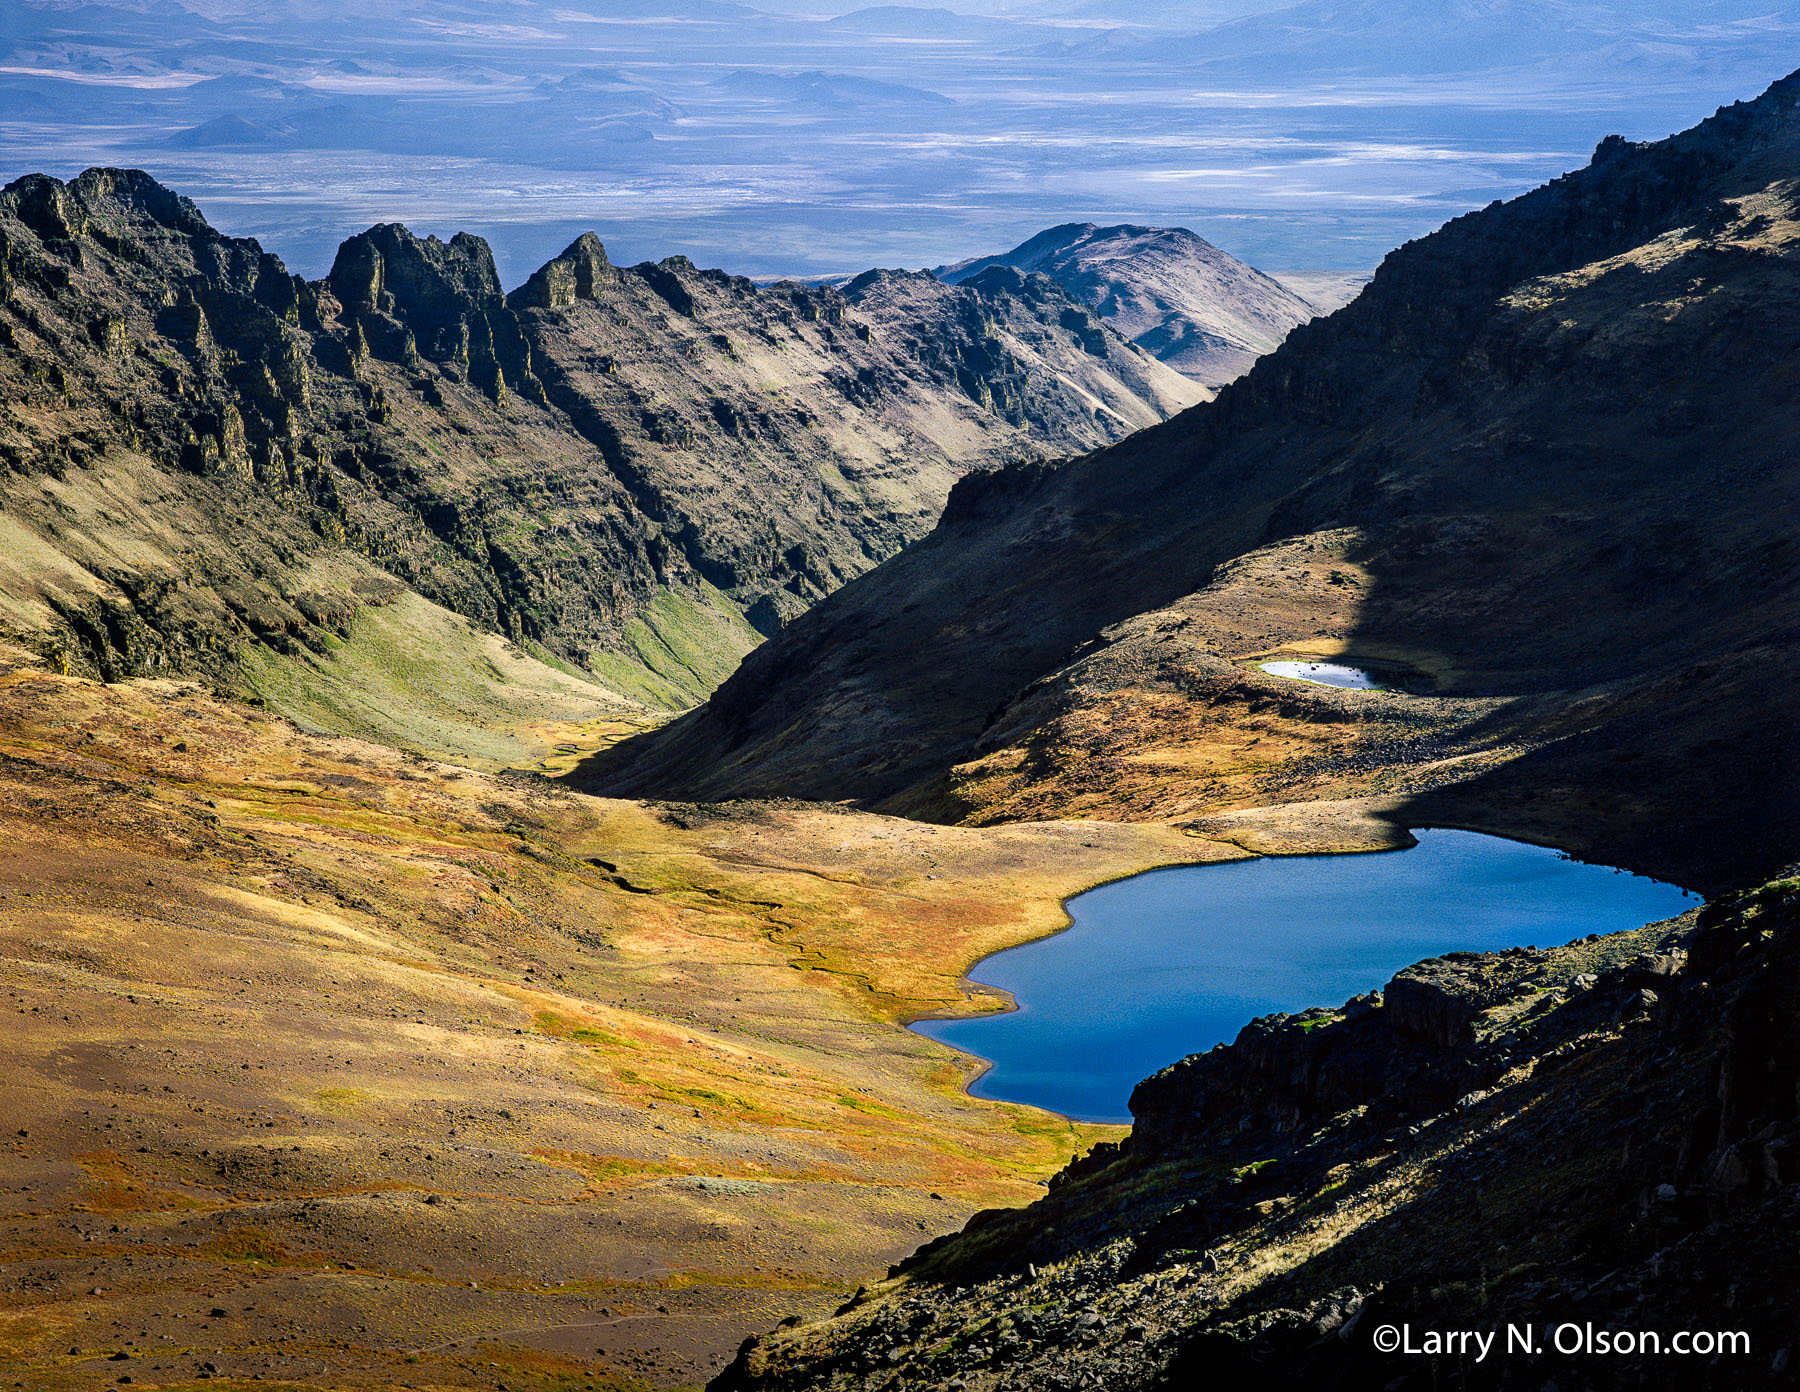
(826, 91)
(1373, 40)
(1198, 309)
(791, 138)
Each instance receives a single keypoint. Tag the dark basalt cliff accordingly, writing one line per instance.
(1549, 453)
(1605, 1134)
(202, 450)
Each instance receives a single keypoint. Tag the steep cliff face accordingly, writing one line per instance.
(788, 438)
(1602, 1135)
(205, 452)
(1542, 468)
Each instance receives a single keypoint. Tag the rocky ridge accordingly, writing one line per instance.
(205, 452)
(853, 413)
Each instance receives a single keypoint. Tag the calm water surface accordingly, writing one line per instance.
(1171, 962)
(1324, 674)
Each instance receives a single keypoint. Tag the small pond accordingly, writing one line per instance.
(1171, 962)
(1324, 674)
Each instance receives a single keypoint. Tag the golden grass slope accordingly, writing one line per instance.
(431, 1077)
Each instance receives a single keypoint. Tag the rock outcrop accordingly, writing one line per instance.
(435, 300)
(580, 273)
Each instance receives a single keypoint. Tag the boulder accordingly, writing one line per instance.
(1437, 1001)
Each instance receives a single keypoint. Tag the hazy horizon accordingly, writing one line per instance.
(809, 140)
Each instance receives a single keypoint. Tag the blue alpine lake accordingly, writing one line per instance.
(1172, 962)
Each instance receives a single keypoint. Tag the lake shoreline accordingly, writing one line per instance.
(1222, 992)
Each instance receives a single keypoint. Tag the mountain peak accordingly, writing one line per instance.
(579, 273)
(389, 263)
(55, 209)
(1199, 309)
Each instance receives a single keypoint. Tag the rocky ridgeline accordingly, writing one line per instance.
(277, 452)
(401, 293)
(1605, 1132)
(840, 420)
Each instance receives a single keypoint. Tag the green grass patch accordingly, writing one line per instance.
(559, 1027)
(605, 1167)
(677, 650)
(867, 1106)
(246, 1245)
(415, 675)
(340, 1101)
